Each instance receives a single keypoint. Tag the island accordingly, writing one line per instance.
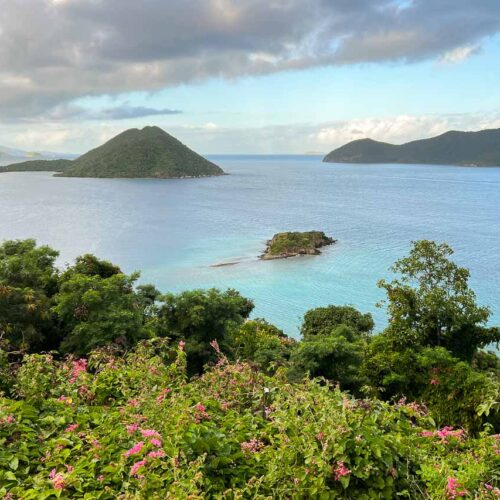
(473, 149)
(38, 166)
(291, 244)
(136, 153)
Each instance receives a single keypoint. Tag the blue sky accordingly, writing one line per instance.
(259, 81)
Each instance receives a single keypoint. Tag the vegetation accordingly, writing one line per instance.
(149, 152)
(290, 244)
(113, 390)
(452, 148)
(38, 166)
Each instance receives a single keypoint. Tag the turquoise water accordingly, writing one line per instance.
(175, 230)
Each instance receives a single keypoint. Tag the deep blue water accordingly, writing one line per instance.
(175, 230)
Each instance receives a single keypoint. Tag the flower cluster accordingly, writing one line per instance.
(79, 366)
(9, 419)
(135, 468)
(162, 395)
(252, 446)
(201, 413)
(444, 434)
(340, 470)
(453, 488)
(57, 479)
(137, 448)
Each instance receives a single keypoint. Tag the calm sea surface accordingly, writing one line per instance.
(176, 230)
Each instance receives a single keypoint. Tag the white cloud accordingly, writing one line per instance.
(460, 54)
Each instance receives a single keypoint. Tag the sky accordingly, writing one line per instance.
(246, 76)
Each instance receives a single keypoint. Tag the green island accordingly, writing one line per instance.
(478, 149)
(291, 244)
(111, 389)
(136, 153)
(38, 166)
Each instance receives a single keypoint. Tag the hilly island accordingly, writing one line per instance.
(146, 153)
(481, 149)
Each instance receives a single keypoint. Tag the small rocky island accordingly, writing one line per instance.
(291, 244)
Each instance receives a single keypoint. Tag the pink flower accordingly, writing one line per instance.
(452, 488)
(70, 468)
(156, 454)
(156, 442)
(162, 395)
(434, 382)
(133, 402)
(57, 480)
(427, 434)
(78, 366)
(100, 478)
(340, 470)
(131, 428)
(444, 434)
(64, 399)
(252, 446)
(147, 433)
(71, 428)
(137, 448)
(136, 467)
(201, 413)
(182, 344)
(9, 419)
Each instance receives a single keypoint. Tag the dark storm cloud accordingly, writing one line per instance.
(53, 51)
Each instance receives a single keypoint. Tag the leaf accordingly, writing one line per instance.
(14, 463)
(10, 476)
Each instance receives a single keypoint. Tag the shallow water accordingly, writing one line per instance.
(176, 230)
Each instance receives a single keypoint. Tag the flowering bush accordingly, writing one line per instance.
(133, 426)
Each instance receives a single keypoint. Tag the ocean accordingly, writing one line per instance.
(178, 232)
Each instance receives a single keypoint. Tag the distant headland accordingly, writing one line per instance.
(478, 149)
(291, 244)
(136, 153)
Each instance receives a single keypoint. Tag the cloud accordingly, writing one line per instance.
(55, 51)
(459, 54)
(294, 138)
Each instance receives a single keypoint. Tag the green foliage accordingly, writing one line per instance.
(451, 389)
(97, 311)
(38, 166)
(149, 152)
(322, 320)
(127, 422)
(200, 317)
(336, 356)
(28, 280)
(262, 343)
(90, 265)
(431, 303)
(134, 427)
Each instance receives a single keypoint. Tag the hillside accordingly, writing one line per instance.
(452, 148)
(149, 152)
(38, 166)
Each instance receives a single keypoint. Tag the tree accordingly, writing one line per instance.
(199, 317)
(323, 320)
(96, 311)
(431, 304)
(336, 356)
(90, 265)
(262, 343)
(28, 281)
